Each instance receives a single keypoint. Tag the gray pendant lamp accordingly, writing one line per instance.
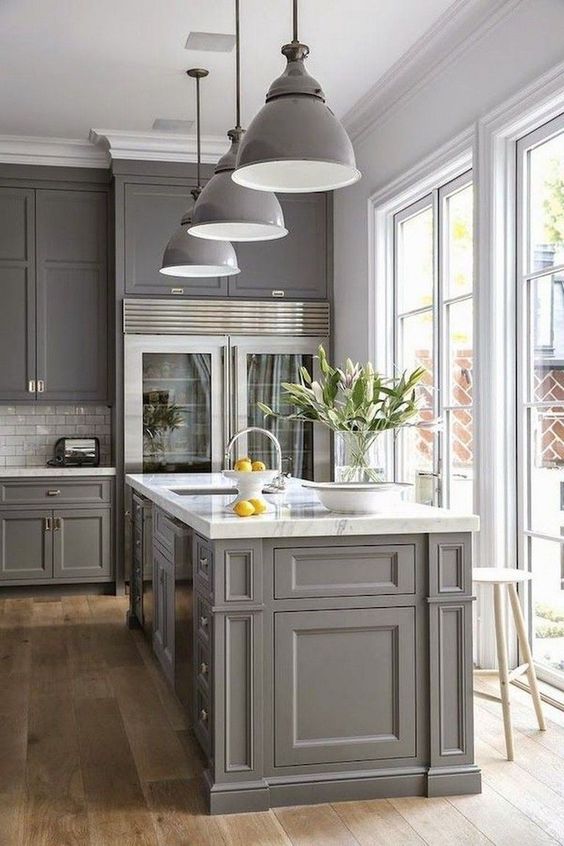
(227, 210)
(295, 143)
(188, 256)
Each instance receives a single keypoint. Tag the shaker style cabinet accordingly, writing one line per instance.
(151, 213)
(295, 267)
(54, 278)
(55, 531)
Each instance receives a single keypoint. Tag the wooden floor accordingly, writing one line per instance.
(86, 759)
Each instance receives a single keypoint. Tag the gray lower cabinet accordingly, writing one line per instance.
(67, 544)
(17, 284)
(163, 620)
(54, 283)
(26, 545)
(151, 213)
(81, 543)
(344, 685)
(295, 267)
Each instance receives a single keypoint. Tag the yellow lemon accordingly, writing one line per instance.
(244, 508)
(258, 465)
(243, 465)
(259, 505)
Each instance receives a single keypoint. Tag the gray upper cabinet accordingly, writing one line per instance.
(17, 283)
(295, 267)
(151, 214)
(72, 294)
(54, 279)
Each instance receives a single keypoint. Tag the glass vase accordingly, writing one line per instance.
(359, 457)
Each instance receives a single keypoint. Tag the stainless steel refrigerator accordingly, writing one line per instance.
(191, 381)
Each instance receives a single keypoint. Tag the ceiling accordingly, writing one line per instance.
(69, 65)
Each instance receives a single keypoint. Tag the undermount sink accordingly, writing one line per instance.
(203, 491)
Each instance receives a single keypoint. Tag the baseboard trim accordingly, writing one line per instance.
(260, 796)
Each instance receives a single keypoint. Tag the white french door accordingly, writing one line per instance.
(540, 389)
(432, 320)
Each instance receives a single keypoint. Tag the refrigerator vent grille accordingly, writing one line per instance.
(225, 317)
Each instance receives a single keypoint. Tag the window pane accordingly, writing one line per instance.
(459, 229)
(416, 350)
(461, 470)
(460, 352)
(416, 448)
(546, 204)
(547, 564)
(415, 261)
(546, 491)
(547, 338)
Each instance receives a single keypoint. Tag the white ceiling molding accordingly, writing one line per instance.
(61, 152)
(158, 146)
(454, 32)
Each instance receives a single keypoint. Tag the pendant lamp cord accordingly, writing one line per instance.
(295, 18)
(237, 65)
(198, 140)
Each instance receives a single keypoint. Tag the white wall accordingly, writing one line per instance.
(510, 56)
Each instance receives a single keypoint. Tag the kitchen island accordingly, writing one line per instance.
(332, 654)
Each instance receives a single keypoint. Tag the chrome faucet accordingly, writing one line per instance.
(279, 482)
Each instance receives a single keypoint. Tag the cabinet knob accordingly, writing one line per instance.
(53, 492)
(137, 542)
(204, 668)
(203, 622)
(204, 564)
(204, 715)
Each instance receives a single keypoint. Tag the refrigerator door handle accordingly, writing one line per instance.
(227, 422)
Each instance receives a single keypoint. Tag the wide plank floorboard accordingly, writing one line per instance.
(95, 750)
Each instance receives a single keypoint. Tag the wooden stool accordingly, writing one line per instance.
(508, 577)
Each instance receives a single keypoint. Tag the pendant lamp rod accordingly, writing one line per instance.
(237, 65)
(198, 74)
(295, 18)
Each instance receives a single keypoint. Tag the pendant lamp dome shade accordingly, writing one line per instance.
(295, 143)
(188, 256)
(229, 211)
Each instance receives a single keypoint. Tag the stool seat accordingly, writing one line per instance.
(500, 575)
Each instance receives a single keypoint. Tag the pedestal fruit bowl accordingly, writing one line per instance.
(250, 484)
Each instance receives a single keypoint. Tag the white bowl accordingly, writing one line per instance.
(250, 483)
(357, 497)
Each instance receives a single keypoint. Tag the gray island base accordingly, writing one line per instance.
(330, 663)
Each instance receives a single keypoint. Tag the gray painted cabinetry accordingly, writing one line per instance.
(54, 279)
(55, 531)
(330, 669)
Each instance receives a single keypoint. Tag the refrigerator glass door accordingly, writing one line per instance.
(261, 365)
(174, 402)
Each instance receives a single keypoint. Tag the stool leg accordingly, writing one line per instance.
(502, 660)
(527, 655)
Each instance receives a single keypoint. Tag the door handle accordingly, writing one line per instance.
(40, 386)
(31, 386)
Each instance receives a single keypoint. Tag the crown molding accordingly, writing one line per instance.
(462, 25)
(157, 146)
(61, 152)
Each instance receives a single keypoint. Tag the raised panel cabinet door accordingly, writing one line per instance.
(167, 658)
(157, 603)
(151, 214)
(72, 295)
(26, 551)
(17, 294)
(344, 685)
(81, 544)
(293, 267)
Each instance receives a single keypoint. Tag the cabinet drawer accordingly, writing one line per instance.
(344, 571)
(203, 564)
(170, 534)
(55, 492)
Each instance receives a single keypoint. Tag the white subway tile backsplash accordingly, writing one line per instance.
(28, 433)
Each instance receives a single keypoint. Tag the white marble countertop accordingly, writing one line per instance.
(294, 513)
(55, 472)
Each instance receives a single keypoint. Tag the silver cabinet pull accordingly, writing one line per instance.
(56, 524)
(47, 524)
(137, 542)
(204, 564)
(177, 290)
(53, 492)
(204, 715)
(31, 386)
(204, 668)
(203, 622)
(279, 294)
(40, 386)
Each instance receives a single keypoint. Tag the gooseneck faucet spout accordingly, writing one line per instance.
(279, 482)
